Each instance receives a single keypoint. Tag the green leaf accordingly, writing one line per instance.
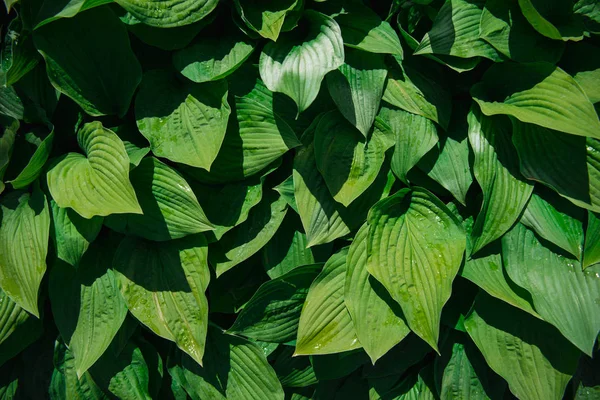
(7, 142)
(235, 369)
(542, 155)
(267, 17)
(18, 55)
(66, 384)
(487, 272)
(552, 18)
(556, 222)
(86, 304)
(256, 138)
(378, 320)
(170, 208)
(52, 10)
(399, 359)
(286, 250)
(296, 66)
(537, 93)
(36, 163)
(97, 69)
(591, 253)
(325, 325)
(12, 317)
(338, 365)
(503, 26)
(210, 59)
(357, 87)
(10, 104)
(347, 161)
(98, 184)
(419, 277)
(582, 61)
(531, 355)
(505, 192)
(166, 14)
(24, 234)
(125, 374)
(286, 190)
(188, 124)
(572, 307)
(455, 32)
(294, 371)
(163, 285)
(414, 136)
(416, 93)
(363, 29)
(273, 312)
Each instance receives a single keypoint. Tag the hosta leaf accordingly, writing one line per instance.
(297, 66)
(294, 371)
(10, 104)
(286, 250)
(24, 234)
(267, 17)
(7, 142)
(419, 270)
(19, 56)
(572, 307)
(211, 59)
(12, 316)
(377, 318)
(488, 272)
(51, 10)
(363, 29)
(87, 305)
(286, 190)
(235, 369)
(414, 135)
(531, 355)
(338, 365)
(590, 13)
(255, 138)
(66, 384)
(503, 26)
(188, 124)
(325, 324)
(582, 61)
(98, 184)
(556, 222)
(542, 155)
(591, 253)
(552, 18)
(505, 192)
(273, 312)
(448, 162)
(163, 285)
(347, 161)
(170, 208)
(357, 87)
(537, 93)
(34, 166)
(97, 69)
(416, 93)
(125, 374)
(166, 13)
(247, 239)
(455, 32)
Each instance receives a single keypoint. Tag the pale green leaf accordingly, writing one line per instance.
(357, 87)
(12, 316)
(163, 285)
(188, 124)
(86, 304)
(24, 235)
(168, 13)
(97, 69)
(572, 306)
(347, 161)
(419, 268)
(537, 93)
(267, 17)
(35, 165)
(455, 32)
(273, 312)
(98, 184)
(296, 66)
(582, 61)
(325, 324)
(505, 191)
(531, 355)
(377, 318)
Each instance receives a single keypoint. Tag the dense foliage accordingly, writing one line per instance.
(300, 199)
